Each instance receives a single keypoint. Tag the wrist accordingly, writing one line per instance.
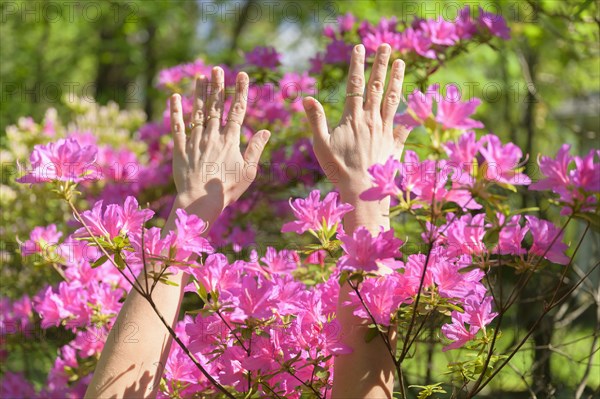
(371, 214)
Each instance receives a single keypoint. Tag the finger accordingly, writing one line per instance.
(256, 145)
(198, 109)
(214, 108)
(177, 126)
(316, 119)
(377, 79)
(237, 112)
(356, 80)
(393, 94)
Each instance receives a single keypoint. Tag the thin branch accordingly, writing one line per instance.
(148, 297)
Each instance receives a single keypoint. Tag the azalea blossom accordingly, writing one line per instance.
(547, 240)
(114, 220)
(501, 161)
(383, 178)
(41, 240)
(493, 23)
(454, 114)
(63, 160)
(363, 251)
(313, 214)
(573, 178)
(264, 57)
(380, 298)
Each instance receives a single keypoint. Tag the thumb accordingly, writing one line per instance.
(256, 145)
(316, 119)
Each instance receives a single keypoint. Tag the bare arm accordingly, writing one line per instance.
(364, 136)
(133, 367)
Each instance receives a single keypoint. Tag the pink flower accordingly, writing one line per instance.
(556, 170)
(380, 298)
(573, 185)
(172, 76)
(383, 178)
(462, 153)
(451, 281)
(264, 57)
(256, 299)
(415, 40)
(478, 314)
(413, 272)
(465, 28)
(586, 174)
(294, 86)
(63, 160)
(457, 332)
(15, 385)
(312, 214)
(115, 220)
(365, 252)
(465, 235)
(454, 114)
(346, 22)
(373, 40)
(501, 160)
(493, 23)
(41, 240)
(439, 31)
(511, 236)
(547, 240)
(420, 107)
(190, 230)
(338, 52)
(51, 309)
(282, 262)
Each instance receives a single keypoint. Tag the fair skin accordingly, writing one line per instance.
(364, 136)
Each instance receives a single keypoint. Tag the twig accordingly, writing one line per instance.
(148, 297)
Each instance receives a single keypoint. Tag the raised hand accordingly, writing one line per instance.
(365, 133)
(209, 168)
(364, 136)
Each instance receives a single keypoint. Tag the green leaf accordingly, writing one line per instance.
(119, 261)
(168, 282)
(371, 334)
(100, 261)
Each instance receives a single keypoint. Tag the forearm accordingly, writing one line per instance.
(368, 372)
(136, 350)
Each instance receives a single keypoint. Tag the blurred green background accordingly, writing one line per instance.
(540, 89)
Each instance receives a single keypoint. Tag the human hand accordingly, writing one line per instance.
(209, 169)
(365, 133)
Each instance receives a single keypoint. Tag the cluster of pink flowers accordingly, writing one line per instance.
(257, 321)
(448, 180)
(421, 40)
(261, 320)
(85, 303)
(465, 235)
(64, 160)
(577, 187)
(174, 75)
(264, 57)
(451, 112)
(313, 214)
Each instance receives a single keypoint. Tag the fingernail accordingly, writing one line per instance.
(308, 103)
(385, 48)
(265, 135)
(360, 49)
